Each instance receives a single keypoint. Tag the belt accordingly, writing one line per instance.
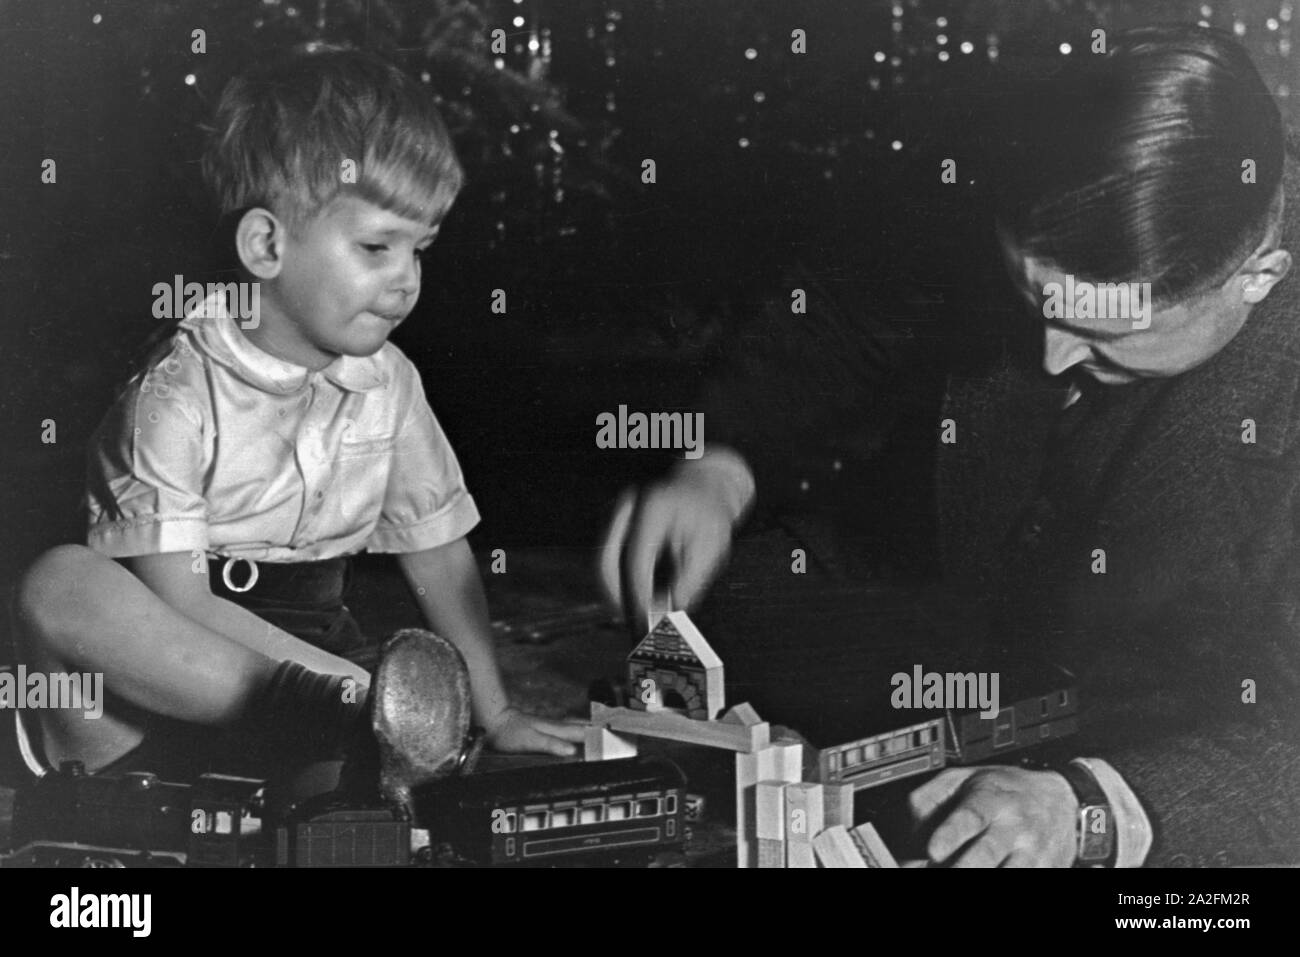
(324, 581)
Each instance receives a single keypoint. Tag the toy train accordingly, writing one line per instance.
(74, 819)
(958, 737)
(625, 811)
(603, 812)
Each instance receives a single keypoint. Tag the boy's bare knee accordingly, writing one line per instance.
(41, 598)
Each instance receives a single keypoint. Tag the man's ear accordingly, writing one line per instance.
(1263, 274)
(259, 241)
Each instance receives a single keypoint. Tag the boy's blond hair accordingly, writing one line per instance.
(291, 135)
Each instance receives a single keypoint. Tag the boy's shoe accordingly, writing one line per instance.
(420, 712)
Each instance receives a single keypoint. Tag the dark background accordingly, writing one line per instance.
(619, 292)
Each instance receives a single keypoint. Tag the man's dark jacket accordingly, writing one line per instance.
(1187, 645)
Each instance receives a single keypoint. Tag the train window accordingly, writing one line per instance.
(534, 820)
(670, 804)
(1044, 704)
(647, 808)
(594, 814)
(853, 756)
(619, 811)
(564, 817)
(834, 762)
(225, 822)
(871, 751)
(1065, 698)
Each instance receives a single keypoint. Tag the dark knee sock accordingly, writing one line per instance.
(302, 715)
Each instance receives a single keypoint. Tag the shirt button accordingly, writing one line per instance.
(320, 495)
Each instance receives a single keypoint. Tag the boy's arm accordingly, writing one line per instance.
(447, 587)
(173, 578)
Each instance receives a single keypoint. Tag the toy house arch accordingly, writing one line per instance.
(673, 668)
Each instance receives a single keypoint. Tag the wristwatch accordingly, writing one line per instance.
(1096, 821)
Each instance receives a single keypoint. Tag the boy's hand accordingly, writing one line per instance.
(998, 817)
(514, 730)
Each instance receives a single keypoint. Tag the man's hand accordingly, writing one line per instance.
(998, 816)
(514, 730)
(688, 516)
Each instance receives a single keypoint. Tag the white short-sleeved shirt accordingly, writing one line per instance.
(217, 446)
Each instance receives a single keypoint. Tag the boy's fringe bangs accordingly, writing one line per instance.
(286, 149)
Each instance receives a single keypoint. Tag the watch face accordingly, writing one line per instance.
(1096, 835)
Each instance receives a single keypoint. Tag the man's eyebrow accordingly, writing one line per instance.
(1097, 334)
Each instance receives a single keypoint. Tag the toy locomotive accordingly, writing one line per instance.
(74, 819)
(623, 811)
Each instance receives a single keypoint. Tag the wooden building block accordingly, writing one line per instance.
(800, 856)
(835, 847)
(771, 853)
(601, 744)
(871, 847)
(769, 810)
(742, 714)
(837, 802)
(777, 762)
(675, 727)
(804, 819)
(673, 662)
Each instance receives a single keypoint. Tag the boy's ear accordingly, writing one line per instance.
(1263, 274)
(259, 241)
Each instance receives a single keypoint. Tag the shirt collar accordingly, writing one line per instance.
(215, 331)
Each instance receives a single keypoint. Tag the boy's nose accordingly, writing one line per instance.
(1063, 350)
(408, 283)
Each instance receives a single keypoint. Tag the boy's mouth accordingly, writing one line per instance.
(389, 316)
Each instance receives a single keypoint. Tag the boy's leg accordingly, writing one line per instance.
(77, 611)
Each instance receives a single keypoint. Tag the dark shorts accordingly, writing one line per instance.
(305, 599)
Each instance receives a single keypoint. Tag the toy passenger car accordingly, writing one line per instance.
(624, 811)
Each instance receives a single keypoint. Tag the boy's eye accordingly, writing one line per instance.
(374, 247)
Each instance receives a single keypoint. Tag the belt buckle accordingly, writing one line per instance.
(252, 575)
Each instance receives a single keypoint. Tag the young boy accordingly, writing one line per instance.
(269, 448)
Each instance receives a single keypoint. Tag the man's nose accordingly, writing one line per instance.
(1062, 350)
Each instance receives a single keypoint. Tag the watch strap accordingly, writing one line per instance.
(1096, 819)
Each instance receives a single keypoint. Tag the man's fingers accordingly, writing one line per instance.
(643, 549)
(611, 553)
(958, 829)
(698, 563)
(989, 850)
(937, 791)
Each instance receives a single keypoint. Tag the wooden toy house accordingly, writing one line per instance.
(674, 669)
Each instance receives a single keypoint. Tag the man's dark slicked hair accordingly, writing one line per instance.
(1132, 170)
